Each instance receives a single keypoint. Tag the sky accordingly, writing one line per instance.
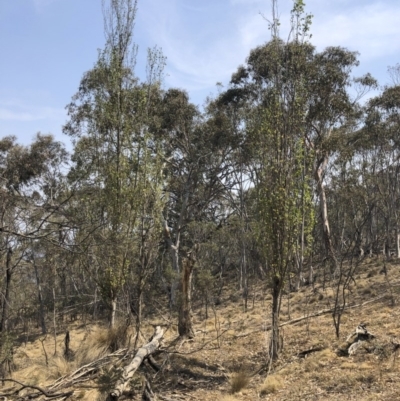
(47, 45)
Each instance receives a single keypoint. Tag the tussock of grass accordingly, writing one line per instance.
(101, 342)
(33, 374)
(239, 381)
(271, 384)
(365, 379)
(112, 339)
(326, 354)
(93, 348)
(310, 365)
(59, 367)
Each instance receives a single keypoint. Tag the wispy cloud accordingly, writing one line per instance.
(198, 55)
(201, 55)
(18, 111)
(10, 115)
(373, 30)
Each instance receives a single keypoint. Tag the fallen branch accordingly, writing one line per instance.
(330, 310)
(307, 352)
(316, 314)
(130, 369)
(41, 390)
(86, 369)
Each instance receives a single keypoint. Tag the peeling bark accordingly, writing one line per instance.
(321, 165)
(113, 311)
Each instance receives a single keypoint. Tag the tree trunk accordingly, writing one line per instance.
(174, 252)
(244, 274)
(6, 301)
(138, 311)
(113, 311)
(299, 264)
(311, 277)
(40, 298)
(397, 243)
(319, 172)
(274, 347)
(185, 327)
(174, 247)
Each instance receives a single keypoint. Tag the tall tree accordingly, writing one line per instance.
(381, 139)
(117, 166)
(194, 168)
(296, 99)
(29, 202)
(274, 82)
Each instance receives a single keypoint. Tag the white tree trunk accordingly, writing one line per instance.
(129, 370)
(319, 172)
(113, 312)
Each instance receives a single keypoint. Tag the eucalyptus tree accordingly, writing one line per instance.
(29, 204)
(274, 82)
(117, 168)
(297, 99)
(381, 139)
(330, 107)
(195, 166)
(227, 113)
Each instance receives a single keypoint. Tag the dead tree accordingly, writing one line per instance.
(356, 340)
(122, 384)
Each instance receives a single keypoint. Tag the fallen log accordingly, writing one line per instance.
(305, 353)
(129, 370)
(315, 314)
(330, 310)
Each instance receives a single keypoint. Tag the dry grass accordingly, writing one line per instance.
(228, 398)
(239, 381)
(200, 369)
(59, 367)
(87, 347)
(272, 384)
(112, 339)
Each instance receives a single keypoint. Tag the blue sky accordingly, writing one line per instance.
(46, 46)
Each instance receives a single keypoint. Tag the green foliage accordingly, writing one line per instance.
(117, 159)
(284, 174)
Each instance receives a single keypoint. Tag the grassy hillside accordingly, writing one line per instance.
(227, 358)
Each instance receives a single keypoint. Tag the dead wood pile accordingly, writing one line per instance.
(64, 387)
